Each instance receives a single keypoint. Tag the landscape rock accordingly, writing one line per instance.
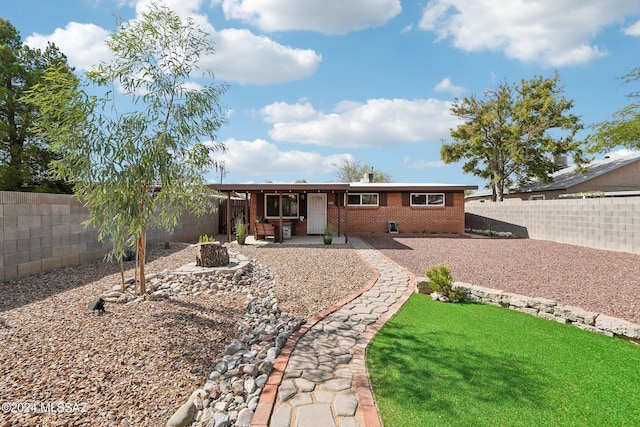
(183, 416)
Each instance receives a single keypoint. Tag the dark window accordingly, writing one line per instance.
(427, 199)
(365, 199)
(289, 205)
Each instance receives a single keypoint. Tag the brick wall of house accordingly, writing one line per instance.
(410, 219)
(373, 220)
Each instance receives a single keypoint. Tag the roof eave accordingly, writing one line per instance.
(339, 187)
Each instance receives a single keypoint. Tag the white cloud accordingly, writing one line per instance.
(407, 28)
(633, 29)
(551, 32)
(83, 44)
(379, 122)
(283, 112)
(327, 16)
(260, 157)
(184, 8)
(244, 57)
(240, 56)
(422, 164)
(445, 85)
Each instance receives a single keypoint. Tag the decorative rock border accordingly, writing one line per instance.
(231, 394)
(190, 279)
(551, 310)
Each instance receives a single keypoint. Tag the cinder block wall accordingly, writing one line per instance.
(39, 232)
(603, 223)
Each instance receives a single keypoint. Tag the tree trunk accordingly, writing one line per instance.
(124, 287)
(501, 190)
(211, 254)
(142, 251)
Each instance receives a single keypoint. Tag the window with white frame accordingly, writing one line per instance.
(427, 199)
(537, 197)
(362, 199)
(289, 205)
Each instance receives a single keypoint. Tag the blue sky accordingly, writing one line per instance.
(313, 82)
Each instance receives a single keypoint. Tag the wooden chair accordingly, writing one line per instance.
(265, 230)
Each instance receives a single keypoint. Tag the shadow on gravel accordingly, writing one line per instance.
(323, 247)
(25, 290)
(385, 242)
(197, 349)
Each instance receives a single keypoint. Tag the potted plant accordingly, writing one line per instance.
(241, 232)
(328, 234)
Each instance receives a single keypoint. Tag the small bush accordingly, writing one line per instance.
(328, 230)
(441, 282)
(240, 228)
(206, 239)
(129, 254)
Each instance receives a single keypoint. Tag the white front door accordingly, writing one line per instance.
(316, 213)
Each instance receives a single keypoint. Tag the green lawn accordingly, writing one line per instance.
(470, 364)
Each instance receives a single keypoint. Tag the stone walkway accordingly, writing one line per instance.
(320, 378)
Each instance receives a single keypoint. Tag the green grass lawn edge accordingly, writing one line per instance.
(472, 364)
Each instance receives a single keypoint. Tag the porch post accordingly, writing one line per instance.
(346, 216)
(280, 233)
(338, 206)
(229, 216)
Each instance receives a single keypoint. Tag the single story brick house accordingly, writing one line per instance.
(358, 208)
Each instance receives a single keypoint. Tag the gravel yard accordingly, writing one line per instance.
(602, 281)
(135, 365)
(312, 278)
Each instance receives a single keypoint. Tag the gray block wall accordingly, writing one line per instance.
(611, 223)
(40, 232)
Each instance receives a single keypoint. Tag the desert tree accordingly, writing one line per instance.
(623, 129)
(514, 134)
(137, 153)
(354, 170)
(24, 156)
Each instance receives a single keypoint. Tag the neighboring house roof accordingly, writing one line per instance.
(357, 187)
(479, 193)
(571, 176)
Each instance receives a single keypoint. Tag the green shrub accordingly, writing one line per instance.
(240, 226)
(441, 281)
(206, 239)
(328, 230)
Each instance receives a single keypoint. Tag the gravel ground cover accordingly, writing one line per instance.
(136, 364)
(312, 278)
(62, 365)
(602, 281)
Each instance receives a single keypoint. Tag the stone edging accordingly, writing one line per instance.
(551, 310)
(267, 400)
